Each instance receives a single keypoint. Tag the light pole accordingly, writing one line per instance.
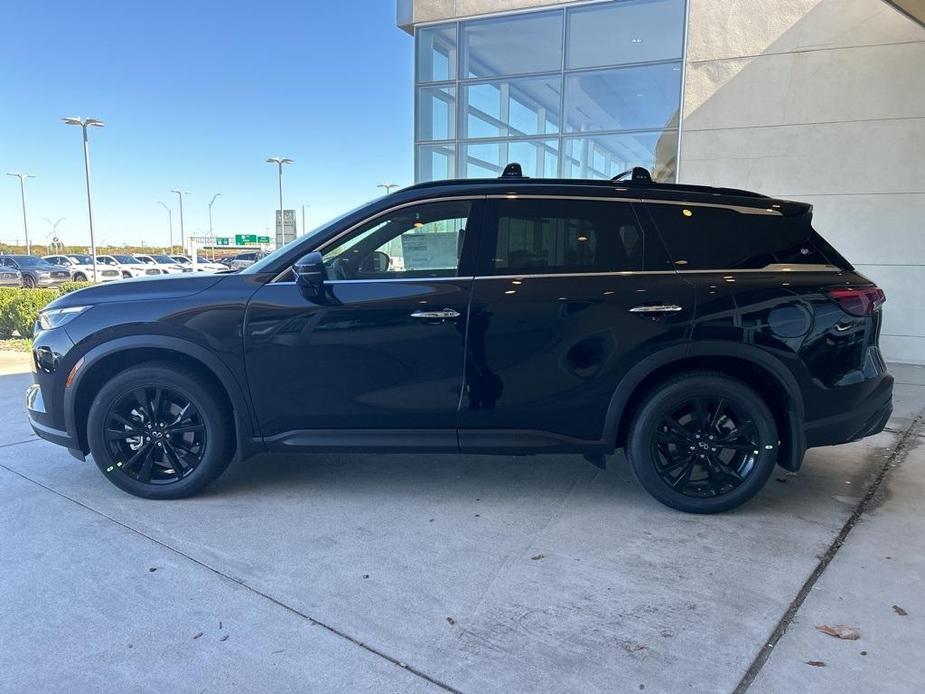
(304, 228)
(211, 235)
(279, 161)
(22, 194)
(85, 123)
(180, 194)
(388, 187)
(54, 229)
(169, 222)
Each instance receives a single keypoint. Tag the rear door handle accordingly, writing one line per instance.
(442, 314)
(656, 308)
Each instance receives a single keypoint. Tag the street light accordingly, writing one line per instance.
(211, 236)
(180, 194)
(304, 228)
(279, 161)
(169, 222)
(54, 229)
(85, 123)
(22, 193)
(388, 187)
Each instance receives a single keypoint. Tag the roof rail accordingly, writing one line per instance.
(512, 170)
(639, 174)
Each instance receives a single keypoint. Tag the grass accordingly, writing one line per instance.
(15, 344)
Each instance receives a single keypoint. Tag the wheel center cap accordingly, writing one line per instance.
(704, 445)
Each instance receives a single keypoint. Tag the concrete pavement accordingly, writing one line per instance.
(475, 574)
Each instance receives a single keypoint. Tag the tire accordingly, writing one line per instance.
(143, 460)
(28, 282)
(680, 465)
(80, 277)
(126, 275)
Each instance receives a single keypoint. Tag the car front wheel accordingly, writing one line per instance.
(80, 277)
(159, 431)
(703, 442)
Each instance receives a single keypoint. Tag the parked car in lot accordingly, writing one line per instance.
(10, 277)
(81, 267)
(130, 266)
(202, 264)
(34, 271)
(243, 260)
(711, 333)
(164, 263)
(126, 271)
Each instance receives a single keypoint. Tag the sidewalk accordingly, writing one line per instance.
(874, 583)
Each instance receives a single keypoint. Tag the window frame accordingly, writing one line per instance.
(655, 257)
(467, 258)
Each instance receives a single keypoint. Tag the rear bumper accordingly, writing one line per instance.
(864, 419)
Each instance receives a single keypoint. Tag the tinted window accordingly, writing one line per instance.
(715, 238)
(552, 236)
(420, 241)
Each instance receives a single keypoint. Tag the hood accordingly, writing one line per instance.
(150, 288)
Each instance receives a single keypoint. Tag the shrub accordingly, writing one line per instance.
(7, 295)
(21, 312)
(68, 287)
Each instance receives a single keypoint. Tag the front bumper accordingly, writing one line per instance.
(867, 418)
(39, 421)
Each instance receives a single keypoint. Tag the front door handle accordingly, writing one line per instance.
(656, 308)
(442, 314)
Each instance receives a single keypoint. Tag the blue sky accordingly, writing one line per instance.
(196, 95)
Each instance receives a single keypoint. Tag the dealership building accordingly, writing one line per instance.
(814, 100)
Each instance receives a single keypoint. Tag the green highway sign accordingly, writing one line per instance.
(263, 239)
(244, 239)
(221, 241)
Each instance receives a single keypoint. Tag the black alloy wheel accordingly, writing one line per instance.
(703, 442)
(160, 430)
(705, 447)
(28, 282)
(155, 435)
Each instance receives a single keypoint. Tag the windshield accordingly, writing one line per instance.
(200, 259)
(267, 260)
(181, 259)
(164, 260)
(125, 259)
(105, 260)
(144, 259)
(81, 259)
(31, 261)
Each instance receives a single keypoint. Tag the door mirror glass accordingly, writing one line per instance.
(310, 275)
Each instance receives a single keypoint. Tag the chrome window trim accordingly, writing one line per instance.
(743, 209)
(776, 267)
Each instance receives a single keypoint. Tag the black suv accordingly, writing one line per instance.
(711, 333)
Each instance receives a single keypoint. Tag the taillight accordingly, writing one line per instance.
(858, 302)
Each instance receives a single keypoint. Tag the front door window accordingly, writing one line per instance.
(419, 241)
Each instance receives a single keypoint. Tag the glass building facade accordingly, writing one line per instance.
(583, 91)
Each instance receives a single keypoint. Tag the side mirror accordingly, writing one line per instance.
(310, 275)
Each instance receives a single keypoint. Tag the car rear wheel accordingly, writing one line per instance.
(158, 431)
(703, 442)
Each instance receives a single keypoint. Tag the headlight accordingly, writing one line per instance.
(56, 317)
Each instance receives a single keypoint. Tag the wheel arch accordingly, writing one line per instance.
(114, 356)
(759, 370)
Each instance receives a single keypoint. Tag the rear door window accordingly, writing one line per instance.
(561, 235)
(700, 237)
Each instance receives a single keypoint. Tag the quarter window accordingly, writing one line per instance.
(421, 241)
(717, 238)
(556, 236)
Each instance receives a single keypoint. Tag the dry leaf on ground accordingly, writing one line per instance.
(840, 631)
(900, 611)
(816, 663)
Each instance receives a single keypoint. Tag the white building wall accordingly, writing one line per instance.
(823, 101)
